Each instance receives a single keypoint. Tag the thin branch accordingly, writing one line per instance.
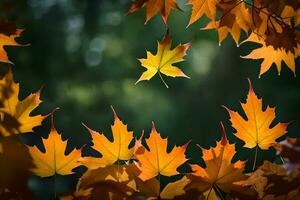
(277, 18)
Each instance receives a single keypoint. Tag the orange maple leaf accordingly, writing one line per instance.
(163, 61)
(201, 7)
(235, 17)
(18, 110)
(220, 173)
(157, 160)
(54, 161)
(113, 151)
(256, 130)
(8, 33)
(153, 7)
(275, 48)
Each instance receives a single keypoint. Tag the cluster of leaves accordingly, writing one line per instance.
(273, 25)
(130, 168)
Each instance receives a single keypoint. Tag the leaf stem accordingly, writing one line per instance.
(118, 173)
(163, 79)
(159, 186)
(54, 186)
(255, 158)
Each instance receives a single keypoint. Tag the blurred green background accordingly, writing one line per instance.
(84, 54)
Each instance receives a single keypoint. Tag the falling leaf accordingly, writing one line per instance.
(163, 61)
(111, 151)
(155, 6)
(15, 111)
(220, 173)
(54, 160)
(157, 160)
(8, 33)
(256, 129)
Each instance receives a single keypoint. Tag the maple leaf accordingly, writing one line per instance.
(113, 151)
(201, 7)
(157, 160)
(124, 181)
(8, 33)
(175, 189)
(153, 7)
(256, 130)
(273, 182)
(163, 61)
(151, 188)
(235, 17)
(54, 161)
(109, 182)
(275, 48)
(14, 114)
(220, 173)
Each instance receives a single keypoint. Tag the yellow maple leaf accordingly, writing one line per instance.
(163, 61)
(8, 33)
(54, 161)
(157, 160)
(19, 110)
(113, 151)
(153, 7)
(256, 130)
(220, 173)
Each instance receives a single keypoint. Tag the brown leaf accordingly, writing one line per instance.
(15, 162)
